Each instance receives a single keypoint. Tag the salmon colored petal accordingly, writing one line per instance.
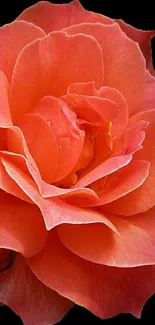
(96, 287)
(142, 198)
(53, 70)
(149, 97)
(124, 181)
(9, 186)
(120, 122)
(83, 195)
(124, 65)
(131, 140)
(13, 38)
(5, 117)
(29, 298)
(83, 88)
(91, 108)
(67, 214)
(16, 143)
(135, 245)
(88, 89)
(143, 38)
(102, 145)
(59, 16)
(16, 167)
(107, 167)
(69, 138)
(21, 222)
(54, 211)
(42, 144)
(48, 190)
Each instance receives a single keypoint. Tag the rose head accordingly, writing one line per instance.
(77, 161)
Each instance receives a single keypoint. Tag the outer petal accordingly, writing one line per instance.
(13, 38)
(8, 185)
(5, 117)
(22, 226)
(52, 70)
(142, 198)
(149, 94)
(16, 144)
(123, 61)
(59, 16)
(29, 298)
(135, 245)
(93, 286)
(54, 211)
(143, 37)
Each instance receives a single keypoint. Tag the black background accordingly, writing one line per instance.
(139, 14)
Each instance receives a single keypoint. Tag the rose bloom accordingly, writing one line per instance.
(77, 164)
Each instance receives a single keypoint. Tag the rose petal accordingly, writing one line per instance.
(33, 302)
(143, 198)
(120, 122)
(69, 138)
(49, 191)
(124, 65)
(13, 38)
(59, 16)
(92, 108)
(131, 140)
(124, 181)
(149, 98)
(42, 144)
(5, 117)
(16, 143)
(83, 88)
(8, 185)
(22, 226)
(54, 211)
(143, 38)
(52, 70)
(135, 245)
(96, 287)
(107, 167)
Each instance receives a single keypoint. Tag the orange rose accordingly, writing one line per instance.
(77, 161)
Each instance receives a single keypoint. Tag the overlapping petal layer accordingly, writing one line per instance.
(77, 160)
(59, 16)
(93, 286)
(29, 298)
(56, 71)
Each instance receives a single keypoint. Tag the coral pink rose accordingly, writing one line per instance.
(77, 164)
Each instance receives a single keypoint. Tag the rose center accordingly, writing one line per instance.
(97, 148)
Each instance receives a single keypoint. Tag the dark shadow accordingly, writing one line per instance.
(79, 315)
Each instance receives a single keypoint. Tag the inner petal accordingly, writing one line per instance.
(42, 144)
(69, 137)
